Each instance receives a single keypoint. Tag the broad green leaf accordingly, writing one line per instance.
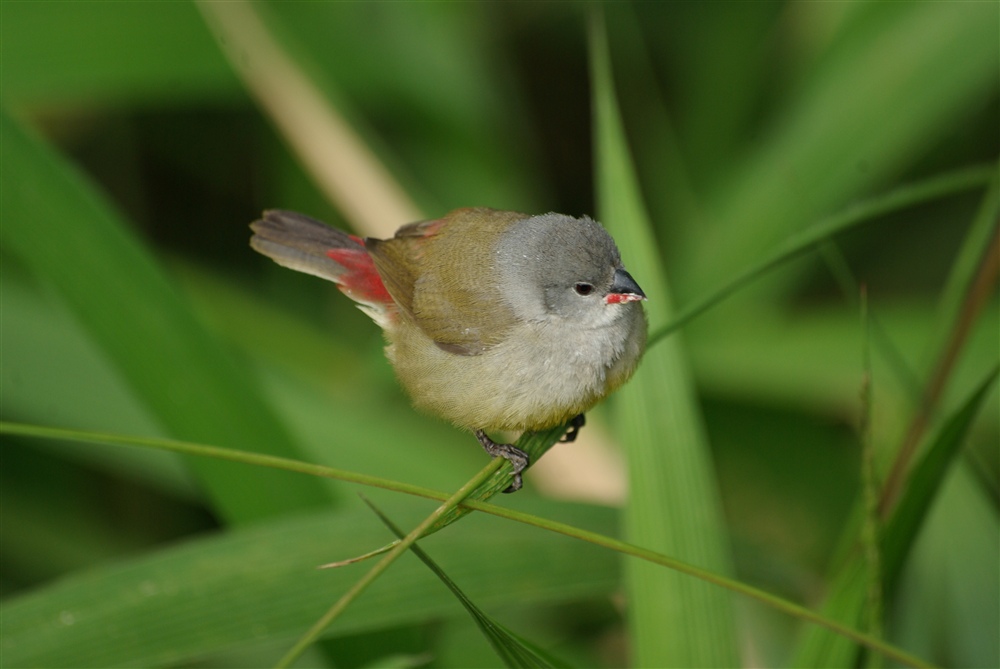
(59, 228)
(673, 505)
(64, 53)
(260, 583)
(430, 524)
(894, 81)
(53, 373)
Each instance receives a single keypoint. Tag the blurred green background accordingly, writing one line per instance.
(747, 123)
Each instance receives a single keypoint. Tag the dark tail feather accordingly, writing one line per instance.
(307, 245)
(301, 243)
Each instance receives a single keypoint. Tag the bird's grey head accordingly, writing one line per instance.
(554, 266)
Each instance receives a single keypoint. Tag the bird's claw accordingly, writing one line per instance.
(517, 458)
(575, 425)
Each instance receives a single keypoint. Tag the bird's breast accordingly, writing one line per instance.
(541, 374)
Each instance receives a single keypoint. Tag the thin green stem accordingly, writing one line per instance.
(909, 195)
(907, 377)
(317, 629)
(982, 286)
(230, 454)
(871, 531)
(542, 523)
(722, 581)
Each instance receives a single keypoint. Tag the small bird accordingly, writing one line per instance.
(494, 320)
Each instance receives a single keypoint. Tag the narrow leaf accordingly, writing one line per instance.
(673, 504)
(849, 586)
(512, 649)
(568, 530)
(893, 83)
(249, 585)
(871, 528)
(808, 239)
(58, 226)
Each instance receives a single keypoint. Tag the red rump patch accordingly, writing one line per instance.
(360, 281)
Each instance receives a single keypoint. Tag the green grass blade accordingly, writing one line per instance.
(927, 478)
(127, 55)
(673, 504)
(535, 444)
(871, 525)
(977, 275)
(492, 479)
(849, 586)
(334, 612)
(978, 241)
(808, 239)
(251, 585)
(512, 649)
(58, 227)
(894, 82)
(563, 528)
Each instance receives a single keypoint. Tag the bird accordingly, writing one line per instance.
(497, 321)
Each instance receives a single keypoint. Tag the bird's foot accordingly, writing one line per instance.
(518, 458)
(575, 426)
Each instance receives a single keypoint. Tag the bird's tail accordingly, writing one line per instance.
(307, 245)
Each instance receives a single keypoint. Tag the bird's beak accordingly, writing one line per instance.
(624, 289)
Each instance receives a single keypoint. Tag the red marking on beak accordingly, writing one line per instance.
(622, 298)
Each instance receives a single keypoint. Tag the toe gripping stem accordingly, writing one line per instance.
(518, 458)
(575, 425)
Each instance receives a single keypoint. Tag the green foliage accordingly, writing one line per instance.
(515, 651)
(673, 502)
(58, 229)
(726, 141)
(259, 587)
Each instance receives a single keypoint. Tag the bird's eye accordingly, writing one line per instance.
(583, 288)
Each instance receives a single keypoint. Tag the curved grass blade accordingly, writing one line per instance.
(59, 228)
(493, 478)
(180, 605)
(849, 586)
(926, 480)
(514, 650)
(535, 444)
(866, 211)
(320, 626)
(978, 276)
(565, 529)
(878, 89)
